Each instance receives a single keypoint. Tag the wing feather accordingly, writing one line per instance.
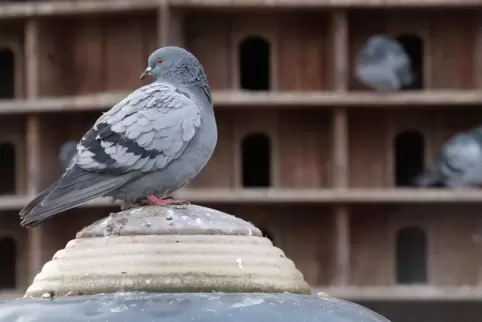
(144, 132)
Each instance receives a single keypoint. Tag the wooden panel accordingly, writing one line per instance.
(452, 232)
(208, 37)
(304, 149)
(453, 37)
(258, 24)
(300, 143)
(257, 122)
(126, 50)
(13, 130)
(51, 59)
(10, 228)
(454, 255)
(303, 52)
(367, 131)
(297, 43)
(101, 54)
(308, 242)
(13, 40)
(477, 49)
(370, 252)
(84, 59)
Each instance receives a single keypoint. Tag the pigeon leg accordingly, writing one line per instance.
(153, 200)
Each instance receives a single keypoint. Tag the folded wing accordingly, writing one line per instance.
(144, 132)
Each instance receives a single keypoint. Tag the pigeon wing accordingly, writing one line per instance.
(144, 132)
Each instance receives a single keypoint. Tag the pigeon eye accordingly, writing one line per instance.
(160, 61)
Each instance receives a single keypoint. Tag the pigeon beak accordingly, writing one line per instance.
(146, 73)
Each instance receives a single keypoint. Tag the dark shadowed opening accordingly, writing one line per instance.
(413, 45)
(7, 168)
(266, 233)
(8, 253)
(411, 252)
(409, 157)
(256, 161)
(7, 74)
(254, 58)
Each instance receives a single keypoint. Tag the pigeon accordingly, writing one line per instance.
(66, 153)
(382, 64)
(460, 163)
(150, 144)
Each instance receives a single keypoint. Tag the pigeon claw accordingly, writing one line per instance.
(153, 200)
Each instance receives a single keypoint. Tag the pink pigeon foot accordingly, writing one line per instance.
(153, 200)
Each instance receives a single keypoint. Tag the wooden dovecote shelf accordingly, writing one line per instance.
(63, 8)
(269, 100)
(331, 196)
(296, 196)
(32, 9)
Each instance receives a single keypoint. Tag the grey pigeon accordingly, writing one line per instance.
(382, 64)
(147, 146)
(67, 152)
(460, 163)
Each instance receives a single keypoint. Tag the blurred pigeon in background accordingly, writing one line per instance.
(460, 163)
(382, 64)
(152, 143)
(66, 153)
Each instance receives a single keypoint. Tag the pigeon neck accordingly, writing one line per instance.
(202, 90)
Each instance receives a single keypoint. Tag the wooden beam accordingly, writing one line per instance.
(269, 100)
(32, 85)
(171, 26)
(163, 24)
(31, 58)
(340, 148)
(339, 29)
(342, 245)
(33, 155)
(35, 236)
(310, 4)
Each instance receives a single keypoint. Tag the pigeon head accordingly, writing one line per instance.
(174, 64)
(376, 49)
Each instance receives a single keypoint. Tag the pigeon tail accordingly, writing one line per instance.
(429, 179)
(76, 187)
(34, 202)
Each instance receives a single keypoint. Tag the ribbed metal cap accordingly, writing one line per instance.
(168, 249)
